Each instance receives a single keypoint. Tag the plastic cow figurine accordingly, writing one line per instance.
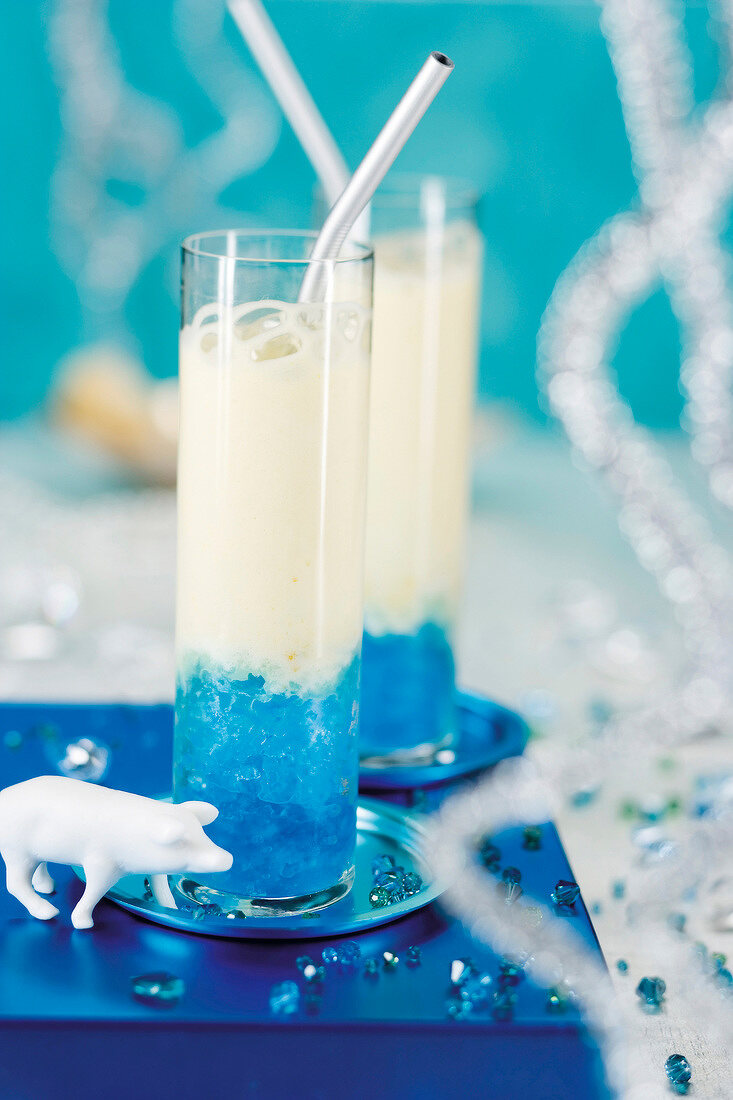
(108, 833)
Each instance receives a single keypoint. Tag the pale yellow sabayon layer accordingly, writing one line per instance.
(271, 489)
(424, 348)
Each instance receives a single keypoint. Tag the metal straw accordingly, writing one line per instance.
(372, 170)
(293, 96)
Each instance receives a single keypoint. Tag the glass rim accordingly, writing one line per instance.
(404, 189)
(351, 251)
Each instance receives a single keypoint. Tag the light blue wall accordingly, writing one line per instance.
(530, 115)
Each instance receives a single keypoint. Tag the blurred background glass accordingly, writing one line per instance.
(134, 124)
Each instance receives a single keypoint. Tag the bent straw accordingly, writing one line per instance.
(372, 170)
(297, 104)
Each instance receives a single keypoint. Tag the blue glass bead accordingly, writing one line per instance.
(461, 970)
(349, 954)
(618, 888)
(718, 959)
(330, 956)
(511, 874)
(379, 897)
(556, 1000)
(725, 976)
(503, 1004)
(391, 881)
(622, 966)
(678, 1071)
(596, 908)
(284, 998)
(565, 893)
(510, 891)
(489, 855)
(532, 838)
(371, 968)
(158, 988)
(302, 961)
(411, 883)
(314, 975)
(510, 973)
(651, 991)
(382, 863)
(475, 990)
(582, 798)
(390, 960)
(413, 956)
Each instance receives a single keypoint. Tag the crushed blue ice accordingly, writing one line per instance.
(281, 768)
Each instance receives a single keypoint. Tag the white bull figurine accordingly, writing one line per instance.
(108, 833)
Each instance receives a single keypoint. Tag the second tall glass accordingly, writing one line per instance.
(426, 314)
(271, 501)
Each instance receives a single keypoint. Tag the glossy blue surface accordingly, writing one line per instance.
(407, 691)
(282, 769)
(487, 733)
(69, 1027)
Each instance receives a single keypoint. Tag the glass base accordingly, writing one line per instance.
(204, 896)
(430, 752)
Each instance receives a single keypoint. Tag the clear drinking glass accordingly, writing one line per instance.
(427, 282)
(271, 502)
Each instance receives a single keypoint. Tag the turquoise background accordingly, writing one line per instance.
(530, 115)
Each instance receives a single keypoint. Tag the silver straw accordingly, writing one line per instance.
(372, 170)
(297, 104)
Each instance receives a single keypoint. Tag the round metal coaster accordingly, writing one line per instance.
(381, 830)
(487, 733)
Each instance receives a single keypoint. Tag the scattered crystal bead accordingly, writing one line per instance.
(510, 891)
(413, 956)
(313, 974)
(677, 921)
(489, 854)
(510, 973)
(390, 959)
(461, 970)
(371, 968)
(284, 998)
(82, 759)
(565, 893)
(381, 864)
(618, 888)
(13, 739)
(475, 990)
(349, 954)
(678, 1071)
(503, 1004)
(302, 961)
(379, 897)
(651, 991)
(556, 1000)
(330, 956)
(158, 988)
(511, 874)
(622, 966)
(391, 881)
(411, 883)
(532, 838)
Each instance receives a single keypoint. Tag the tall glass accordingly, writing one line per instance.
(427, 281)
(271, 502)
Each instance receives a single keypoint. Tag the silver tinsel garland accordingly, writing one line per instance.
(685, 174)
